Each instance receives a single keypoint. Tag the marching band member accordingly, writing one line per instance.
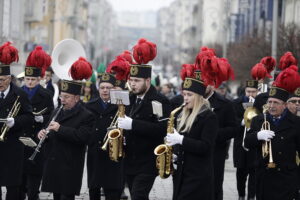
(144, 130)
(197, 130)
(276, 139)
(103, 172)
(222, 107)
(11, 149)
(51, 86)
(65, 146)
(244, 159)
(40, 99)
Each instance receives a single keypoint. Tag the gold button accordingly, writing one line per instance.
(279, 152)
(278, 169)
(282, 138)
(34, 108)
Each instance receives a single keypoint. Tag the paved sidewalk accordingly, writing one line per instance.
(162, 189)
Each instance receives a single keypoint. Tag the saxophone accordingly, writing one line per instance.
(115, 139)
(164, 153)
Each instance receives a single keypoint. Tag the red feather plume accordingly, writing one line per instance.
(120, 66)
(269, 62)
(287, 60)
(204, 54)
(210, 70)
(288, 79)
(8, 54)
(127, 55)
(187, 70)
(39, 58)
(144, 51)
(225, 72)
(81, 69)
(259, 72)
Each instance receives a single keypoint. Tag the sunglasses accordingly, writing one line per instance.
(294, 101)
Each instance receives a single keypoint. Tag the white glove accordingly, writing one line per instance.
(265, 135)
(10, 122)
(125, 123)
(243, 122)
(174, 160)
(174, 138)
(39, 118)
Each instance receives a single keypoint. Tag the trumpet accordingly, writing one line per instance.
(38, 147)
(12, 113)
(267, 146)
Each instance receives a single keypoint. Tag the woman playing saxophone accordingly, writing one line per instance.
(195, 135)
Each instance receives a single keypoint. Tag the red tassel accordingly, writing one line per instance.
(8, 54)
(287, 60)
(39, 58)
(81, 69)
(259, 72)
(288, 79)
(187, 70)
(127, 55)
(144, 51)
(120, 66)
(269, 63)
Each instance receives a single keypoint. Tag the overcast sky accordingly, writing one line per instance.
(138, 5)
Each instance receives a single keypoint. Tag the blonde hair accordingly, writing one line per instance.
(188, 116)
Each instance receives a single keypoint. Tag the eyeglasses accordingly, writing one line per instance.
(3, 79)
(274, 103)
(64, 96)
(294, 101)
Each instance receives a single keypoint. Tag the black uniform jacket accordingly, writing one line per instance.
(65, 151)
(241, 157)
(194, 176)
(102, 172)
(12, 150)
(41, 100)
(147, 132)
(280, 182)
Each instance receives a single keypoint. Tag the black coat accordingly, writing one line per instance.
(241, 157)
(12, 150)
(102, 172)
(65, 151)
(193, 178)
(41, 100)
(147, 133)
(281, 182)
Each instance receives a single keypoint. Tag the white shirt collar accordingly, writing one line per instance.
(6, 91)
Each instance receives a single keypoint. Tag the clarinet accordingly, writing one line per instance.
(37, 149)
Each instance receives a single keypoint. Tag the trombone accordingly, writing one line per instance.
(267, 145)
(12, 114)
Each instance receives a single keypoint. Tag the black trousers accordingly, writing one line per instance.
(31, 186)
(241, 179)
(63, 197)
(110, 194)
(140, 185)
(219, 165)
(12, 192)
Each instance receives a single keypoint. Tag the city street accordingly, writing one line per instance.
(162, 189)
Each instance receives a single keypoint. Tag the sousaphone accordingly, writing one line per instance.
(64, 54)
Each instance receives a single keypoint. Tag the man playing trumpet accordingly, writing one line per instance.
(276, 139)
(11, 149)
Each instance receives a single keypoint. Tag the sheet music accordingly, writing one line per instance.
(157, 108)
(119, 97)
(28, 141)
